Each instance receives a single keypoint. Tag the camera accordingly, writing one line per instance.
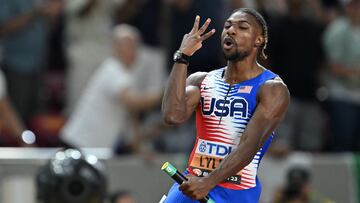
(71, 177)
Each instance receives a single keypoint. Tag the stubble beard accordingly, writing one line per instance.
(236, 56)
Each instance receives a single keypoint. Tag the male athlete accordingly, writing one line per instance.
(237, 109)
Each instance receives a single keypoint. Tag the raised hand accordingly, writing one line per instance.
(192, 41)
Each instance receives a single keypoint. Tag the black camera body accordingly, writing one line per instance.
(70, 177)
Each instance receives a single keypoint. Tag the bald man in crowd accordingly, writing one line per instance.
(104, 112)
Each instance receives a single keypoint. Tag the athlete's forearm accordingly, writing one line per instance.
(174, 99)
(233, 163)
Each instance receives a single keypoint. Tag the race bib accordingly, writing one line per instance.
(208, 156)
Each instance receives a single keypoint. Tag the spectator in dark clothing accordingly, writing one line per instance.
(297, 55)
(342, 47)
(24, 31)
(137, 13)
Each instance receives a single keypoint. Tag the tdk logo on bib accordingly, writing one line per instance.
(236, 107)
(212, 148)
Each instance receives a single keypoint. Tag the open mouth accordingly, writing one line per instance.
(228, 43)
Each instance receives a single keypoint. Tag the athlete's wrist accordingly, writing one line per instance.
(210, 181)
(180, 57)
(186, 52)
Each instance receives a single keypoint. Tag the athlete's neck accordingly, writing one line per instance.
(239, 71)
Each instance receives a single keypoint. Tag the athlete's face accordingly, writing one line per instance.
(241, 36)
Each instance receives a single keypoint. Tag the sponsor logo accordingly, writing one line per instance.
(212, 148)
(202, 147)
(197, 172)
(207, 88)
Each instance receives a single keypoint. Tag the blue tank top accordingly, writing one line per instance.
(222, 116)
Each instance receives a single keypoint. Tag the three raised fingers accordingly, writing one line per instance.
(195, 30)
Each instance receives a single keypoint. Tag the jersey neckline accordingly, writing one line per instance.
(243, 82)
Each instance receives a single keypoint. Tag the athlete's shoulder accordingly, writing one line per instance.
(273, 80)
(276, 81)
(275, 88)
(196, 78)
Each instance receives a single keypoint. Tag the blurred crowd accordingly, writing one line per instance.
(90, 73)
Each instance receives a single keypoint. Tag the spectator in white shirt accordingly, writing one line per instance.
(104, 111)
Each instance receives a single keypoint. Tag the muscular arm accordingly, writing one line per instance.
(181, 95)
(273, 101)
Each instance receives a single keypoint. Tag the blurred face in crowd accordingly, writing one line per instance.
(126, 40)
(126, 49)
(241, 36)
(295, 7)
(353, 11)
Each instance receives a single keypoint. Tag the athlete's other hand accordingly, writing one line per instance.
(195, 187)
(193, 40)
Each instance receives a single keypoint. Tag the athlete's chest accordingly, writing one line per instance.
(219, 99)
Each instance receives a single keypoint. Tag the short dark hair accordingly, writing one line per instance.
(261, 21)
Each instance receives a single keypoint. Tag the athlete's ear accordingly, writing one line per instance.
(259, 41)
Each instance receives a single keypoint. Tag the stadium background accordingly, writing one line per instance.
(319, 133)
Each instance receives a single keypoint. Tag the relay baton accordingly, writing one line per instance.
(180, 178)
